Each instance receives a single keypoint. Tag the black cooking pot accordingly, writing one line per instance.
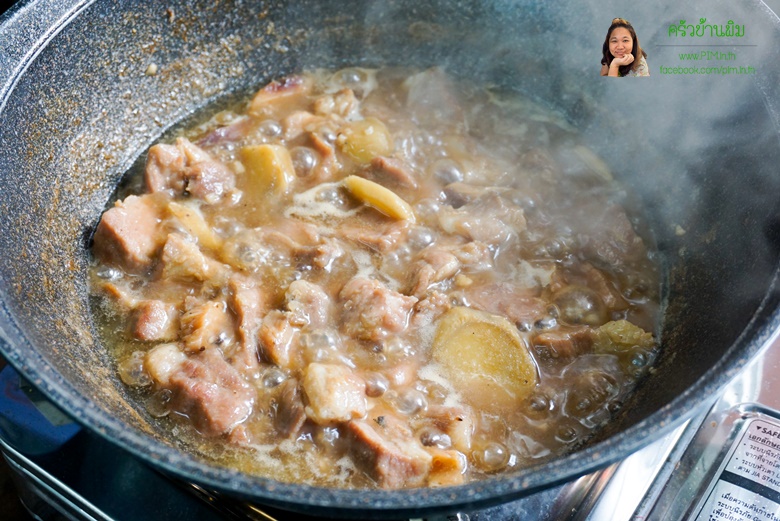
(79, 102)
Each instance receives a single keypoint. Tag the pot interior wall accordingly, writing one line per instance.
(701, 152)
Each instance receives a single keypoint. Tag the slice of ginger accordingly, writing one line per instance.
(485, 357)
(379, 197)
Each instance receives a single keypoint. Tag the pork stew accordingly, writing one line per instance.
(377, 278)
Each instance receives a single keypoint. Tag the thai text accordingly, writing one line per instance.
(729, 29)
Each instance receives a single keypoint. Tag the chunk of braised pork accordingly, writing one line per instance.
(446, 434)
(439, 263)
(205, 325)
(208, 181)
(372, 311)
(390, 171)
(278, 339)
(319, 132)
(183, 261)
(277, 92)
(205, 388)
(490, 219)
(386, 450)
(298, 122)
(475, 255)
(333, 393)
(286, 241)
(308, 304)
(324, 147)
(564, 343)
(248, 304)
(607, 235)
(459, 193)
(380, 236)
(130, 234)
(322, 256)
(163, 361)
(288, 409)
(456, 422)
(186, 169)
(435, 265)
(233, 131)
(155, 320)
(518, 303)
(321, 139)
(431, 307)
(559, 279)
(163, 166)
(598, 281)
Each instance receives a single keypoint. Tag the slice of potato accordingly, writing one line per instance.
(379, 197)
(268, 168)
(365, 139)
(191, 218)
(484, 355)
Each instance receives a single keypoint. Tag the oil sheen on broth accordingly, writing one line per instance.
(377, 278)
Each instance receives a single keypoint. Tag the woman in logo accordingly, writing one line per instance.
(621, 53)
